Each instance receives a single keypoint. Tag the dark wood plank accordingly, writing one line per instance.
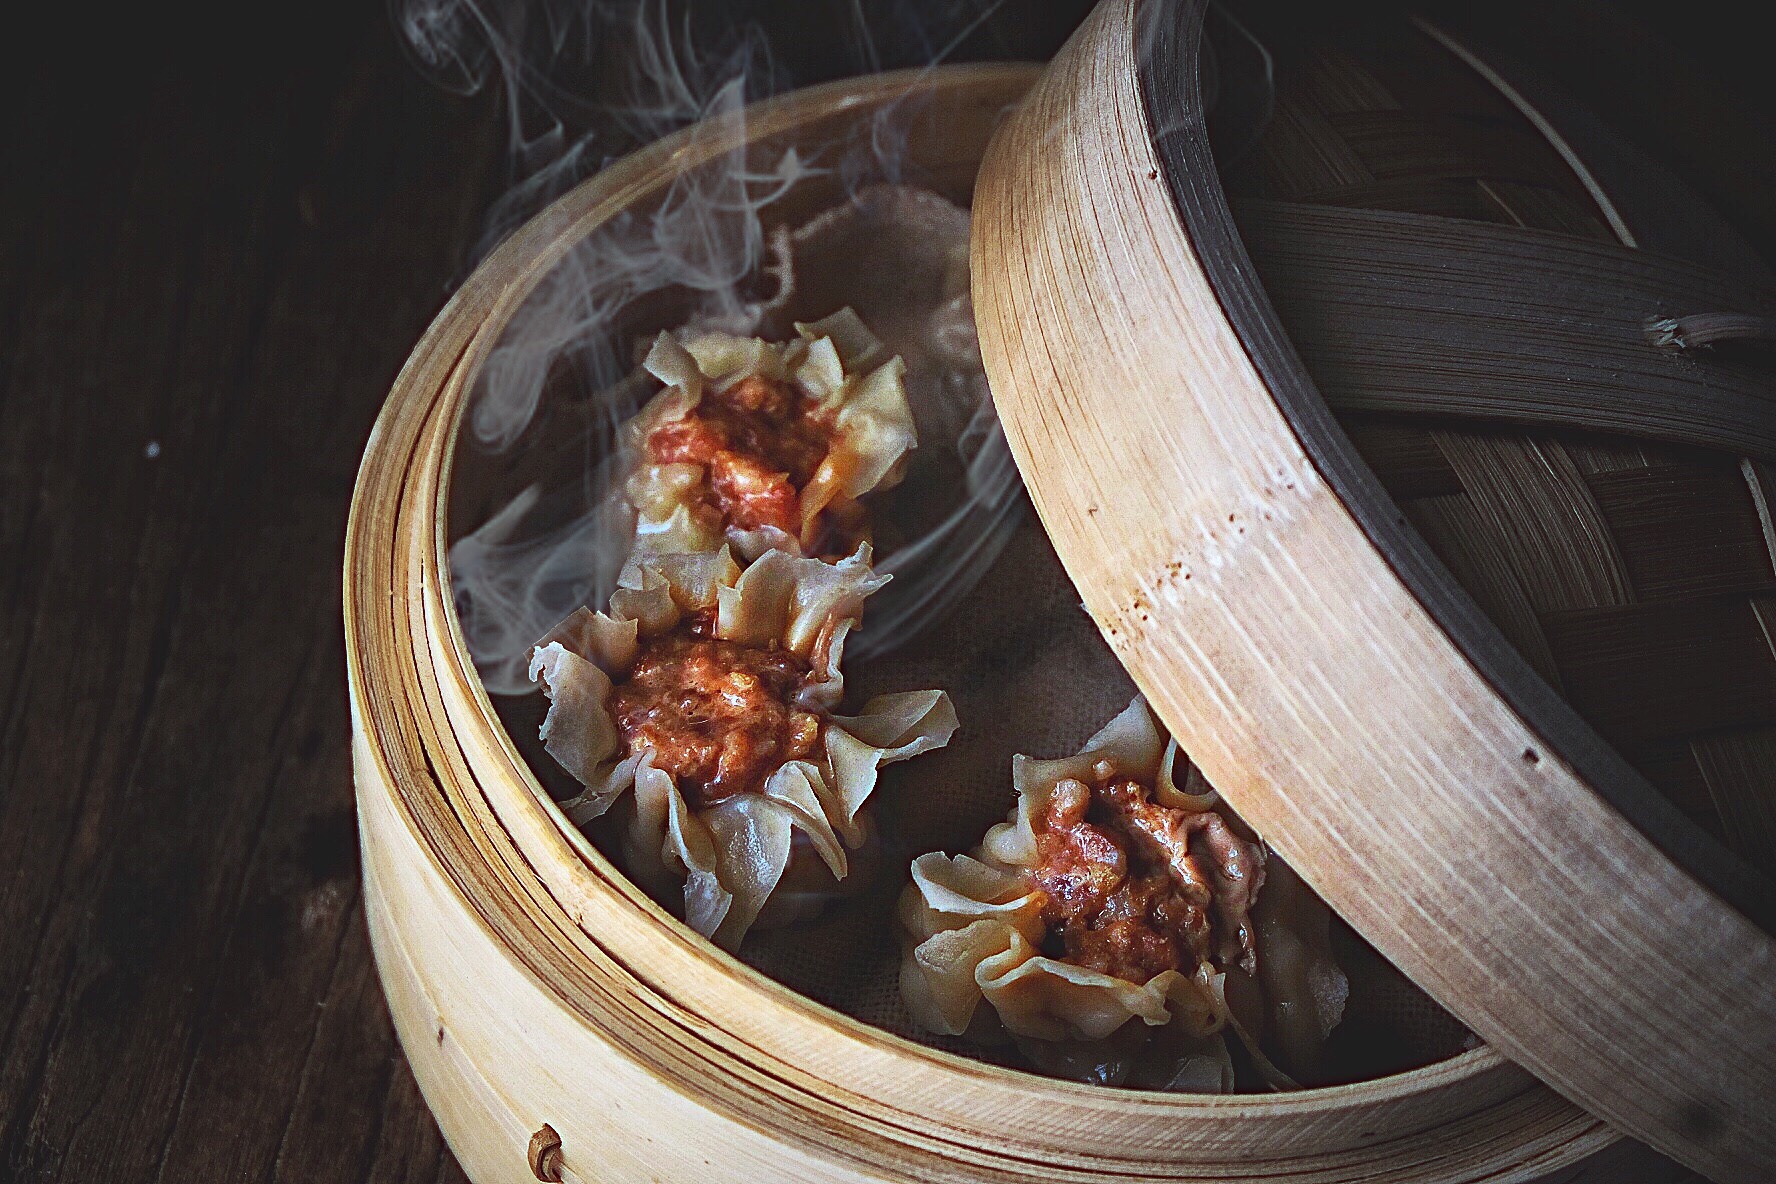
(195, 350)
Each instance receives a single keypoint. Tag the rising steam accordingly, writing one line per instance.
(556, 545)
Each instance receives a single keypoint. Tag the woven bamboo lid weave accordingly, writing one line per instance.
(1392, 483)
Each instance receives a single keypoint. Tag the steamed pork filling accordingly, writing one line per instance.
(1134, 888)
(718, 716)
(759, 443)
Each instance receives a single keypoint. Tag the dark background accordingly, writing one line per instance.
(219, 236)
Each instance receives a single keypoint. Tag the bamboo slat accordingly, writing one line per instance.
(1488, 572)
(1729, 760)
(1421, 315)
(1533, 503)
(1731, 556)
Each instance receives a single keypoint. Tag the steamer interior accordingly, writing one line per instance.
(1022, 661)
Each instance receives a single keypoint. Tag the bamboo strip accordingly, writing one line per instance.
(1406, 459)
(1685, 531)
(1762, 483)
(1412, 313)
(1552, 134)
(1539, 509)
(1334, 81)
(1736, 765)
(1541, 208)
(1607, 454)
(1486, 571)
(1696, 666)
(1300, 154)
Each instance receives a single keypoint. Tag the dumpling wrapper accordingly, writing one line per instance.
(732, 855)
(973, 931)
(836, 361)
(976, 930)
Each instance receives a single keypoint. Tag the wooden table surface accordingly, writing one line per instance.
(217, 244)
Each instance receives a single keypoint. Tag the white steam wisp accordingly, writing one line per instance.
(702, 251)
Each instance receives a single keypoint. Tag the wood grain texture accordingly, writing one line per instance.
(186, 986)
(1292, 659)
(615, 1023)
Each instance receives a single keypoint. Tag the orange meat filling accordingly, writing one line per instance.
(718, 716)
(1134, 888)
(760, 444)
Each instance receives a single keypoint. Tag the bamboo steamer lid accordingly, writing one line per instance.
(1387, 485)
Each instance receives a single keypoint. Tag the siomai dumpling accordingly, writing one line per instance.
(765, 445)
(705, 701)
(1102, 922)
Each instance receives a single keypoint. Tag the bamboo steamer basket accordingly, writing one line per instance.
(564, 1027)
